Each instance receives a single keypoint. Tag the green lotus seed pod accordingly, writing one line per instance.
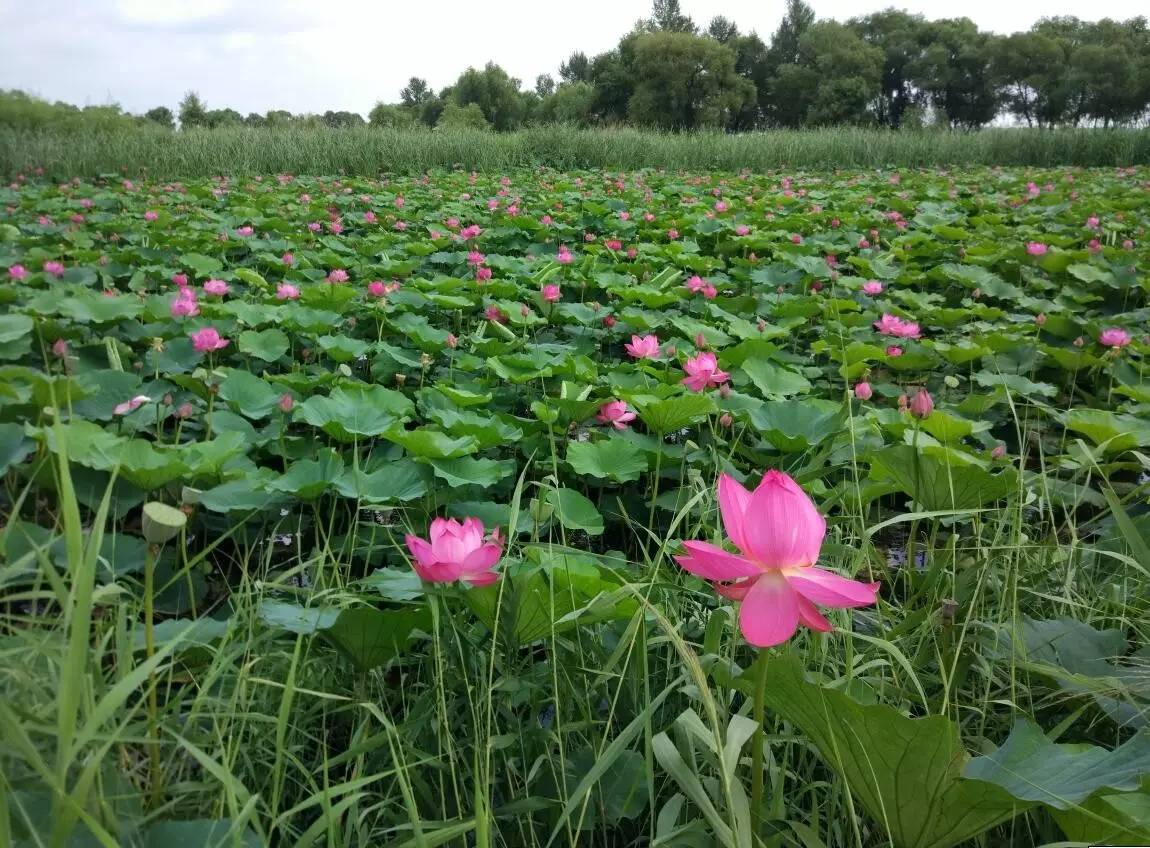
(162, 523)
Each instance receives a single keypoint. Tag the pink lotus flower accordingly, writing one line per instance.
(475, 258)
(494, 313)
(483, 274)
(1114, 337)
(470, 232)
(244, 232)
(130, 405)
(872, 288)
(703, 371)
(207, 340)
(60, 349)
(892, 325)
(180, 280)
(863, 391)
(1036, 248)
(1092, 222)
(551, 293)
(779, 533)
(721, 206)
(216, 287)
(643, 347)
(922, 405)
(287, 402)
(563, 257)
(742, 230)
(545, 220)
(369, 217)
(288, 259)
(1127, 244)
(337, 275)
(456, 552)
(672, 234)
(998, 451)
(184, 305)
(315, 226)
(286, 291)
(376, 288)
(796, 238)
(894, 351)
(451, 341)
(56, 269)
(616, 414)
(18, 272)
(150, 215)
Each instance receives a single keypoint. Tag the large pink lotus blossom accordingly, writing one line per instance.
(872, 288)
(1035, 248)
(216, 287)
(130, 405)
(563, 257)
(207, 340)
(779, 533)
(184, 305)
(551, 293)
(56, 269)
(286, 291)
(456, 552)
(892, 325)
(338, 275)
(1114, 337)
(643, 347)
(703, 371)
(18, 272)
(616, 414)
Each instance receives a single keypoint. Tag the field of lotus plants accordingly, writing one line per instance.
(576, 508)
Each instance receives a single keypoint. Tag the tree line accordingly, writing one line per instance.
(887, 69)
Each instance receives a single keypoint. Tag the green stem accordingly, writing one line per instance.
(757, 742)
(153, 695)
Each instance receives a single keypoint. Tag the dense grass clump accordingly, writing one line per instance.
(370, 151)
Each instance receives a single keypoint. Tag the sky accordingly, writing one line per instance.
(315, 55)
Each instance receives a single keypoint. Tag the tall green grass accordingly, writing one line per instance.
(368, 151)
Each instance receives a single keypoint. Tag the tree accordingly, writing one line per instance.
(255, 119)
(1031, 70)
(666, 16)
(455, 116)
(849, 74)
(902, 38)
(722, 30)
(571, 103)
(216, 118)
(785, 42)
(685, 81)
(544, 85)
(340, 120)
(415, 93)
(430, 111)
(390, 115)
(162, 116)
(577, 68)
(494, 92)
(612, 75)
(193, 113)
(279, 118)
(752, 63)
(955, 73)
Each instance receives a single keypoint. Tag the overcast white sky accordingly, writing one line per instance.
(256, 55)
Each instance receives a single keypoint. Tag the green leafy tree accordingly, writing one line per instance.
(577, 68)
(216, 118)
(571, 103)
(341, 120)
(161, 116)
(955, 73)
(255, 119)
(798, 18)
(752, 62)
(455, 116)
(279, 118)
(430, 111)
(415, 93)
(685, 81)
(667, 16)
(544, 85)
(193, 113)
(390, 115)
(902, 38)
(494, 92)
(722, 29)
(613, 77)
(1031, 70)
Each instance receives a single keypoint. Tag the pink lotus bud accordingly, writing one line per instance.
(863, 391)
(725, 420)
(922, 405)
(998, 452)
